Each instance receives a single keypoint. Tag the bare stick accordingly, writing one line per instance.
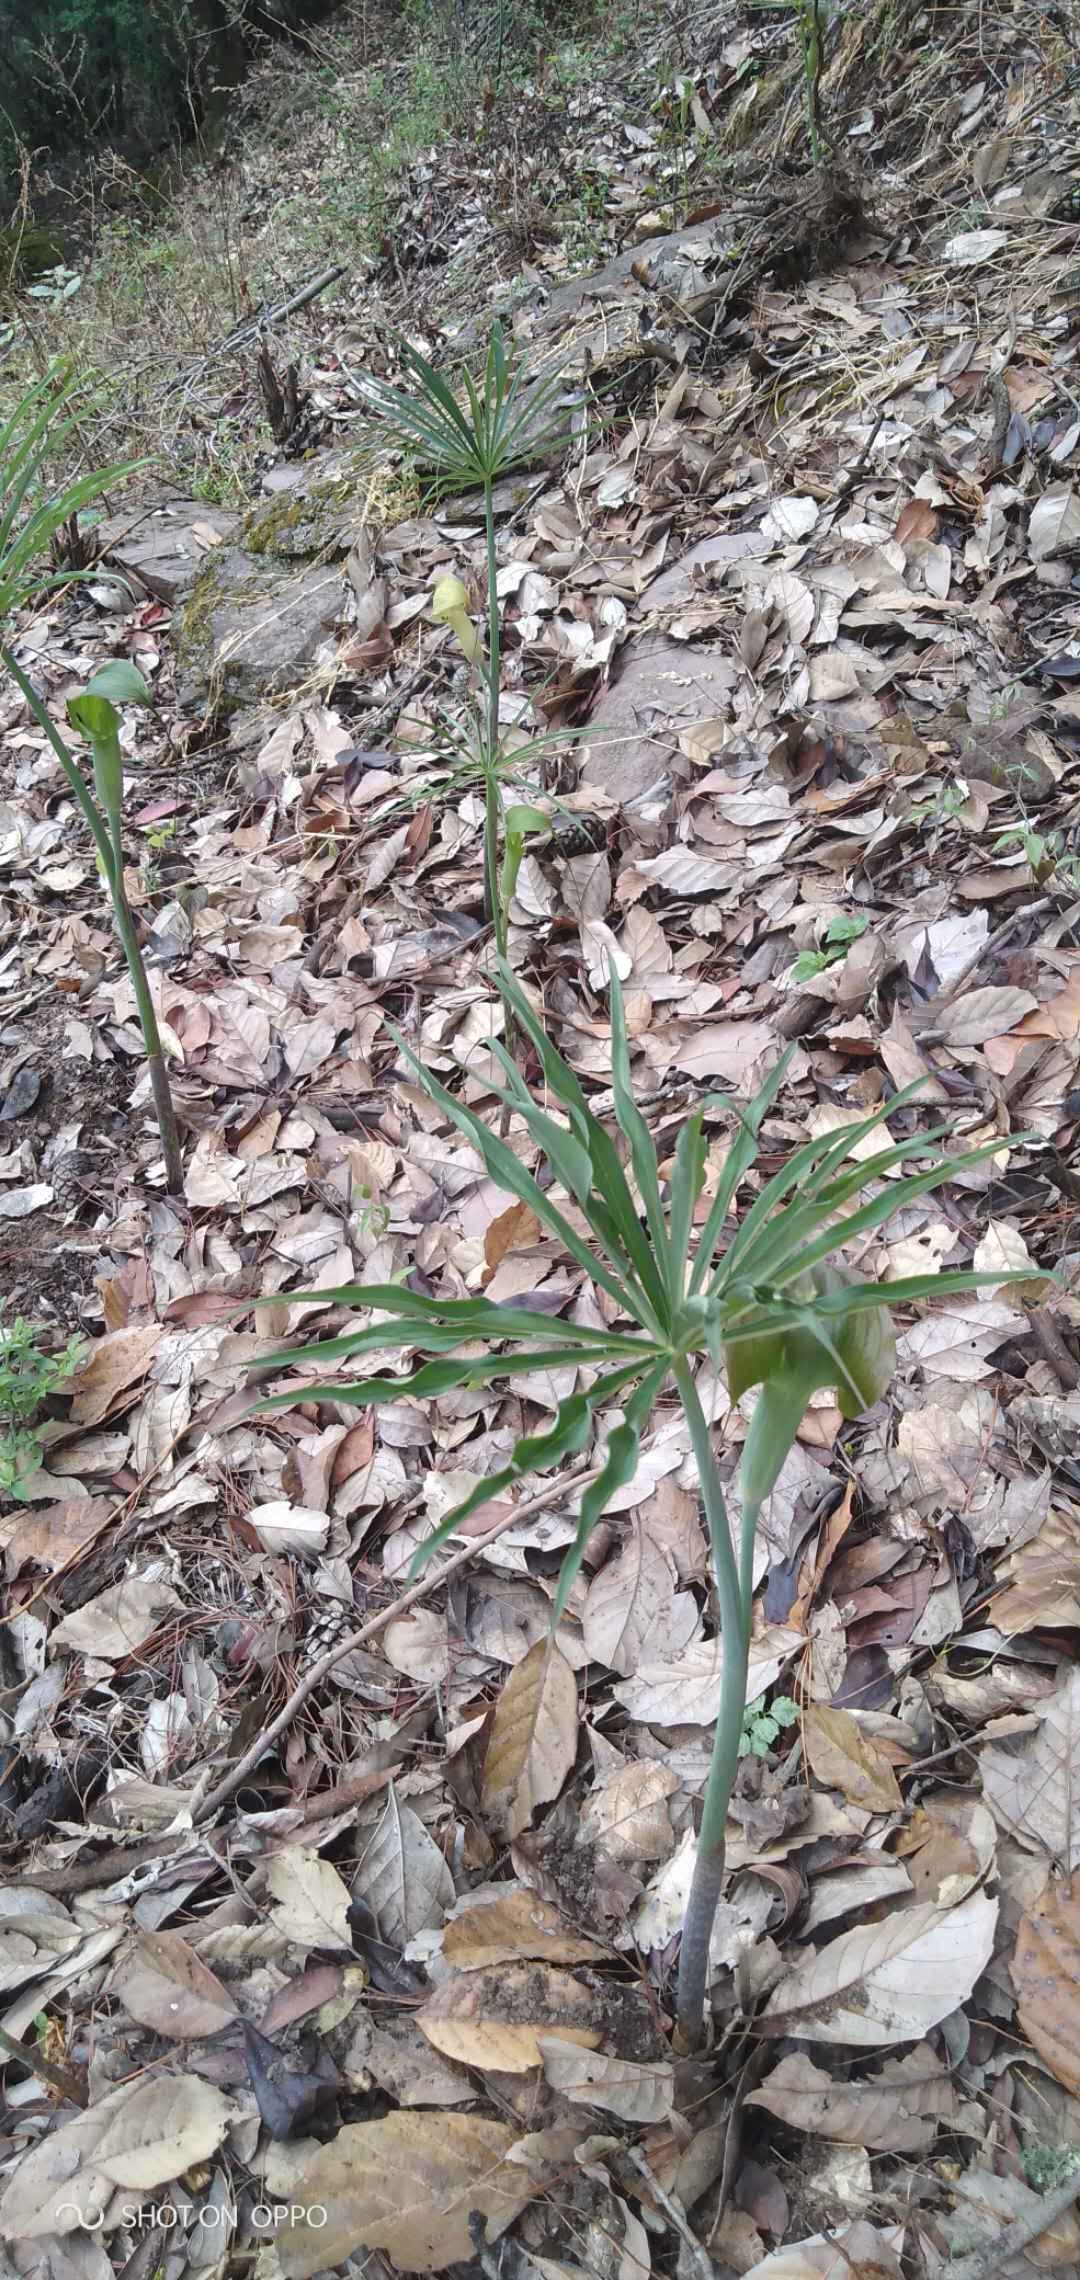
(313, 1679)
(253, 326)
(1012, 2242)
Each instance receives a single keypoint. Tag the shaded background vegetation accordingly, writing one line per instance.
(136, 73)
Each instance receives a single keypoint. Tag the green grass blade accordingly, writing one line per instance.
(634, 1129)
(436, 1377)
(806, 1169)
(532, 1454)
(740, 1156)
(602, 1194)
(687, 1181)
(620, 1465)
(508, 1173)
(873, 1214)
(610, 1182)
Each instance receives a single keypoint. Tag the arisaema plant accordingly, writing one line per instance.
(31, 512)
(465, 442)
(681, 1281)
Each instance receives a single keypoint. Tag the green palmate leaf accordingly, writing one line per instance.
(532, 1454)
(608, 1203)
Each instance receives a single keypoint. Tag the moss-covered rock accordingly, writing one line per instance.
(321, 514)
(251, 630)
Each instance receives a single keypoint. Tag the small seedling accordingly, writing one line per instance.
(506, 419)
(1045, 851)
(28, 1376)
(761, 1727)
(835, 943)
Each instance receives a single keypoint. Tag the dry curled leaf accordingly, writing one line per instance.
(896, 2110)
(843, 1757)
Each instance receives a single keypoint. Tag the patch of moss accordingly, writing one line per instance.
(297, 527)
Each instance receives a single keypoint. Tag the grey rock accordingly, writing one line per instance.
(163, 552)
(250, 629)
(660, 687)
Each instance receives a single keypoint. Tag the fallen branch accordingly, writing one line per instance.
(251, 328)
(1000, 2251)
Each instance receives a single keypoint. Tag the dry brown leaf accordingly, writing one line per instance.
(886, 1982)
(984, 1013)
(513, 1230)
(859, 2252)
(495, 2017)
(163, 1984)
(515, 1922)
(843, 1757)
(311, 1903)
(417, 1645)
(624, 1601)
(1045, 1585)
(725, 1049)
(533, 1738)
(119, 1621)
(588, 2078)
(627, 1816)
(403, 1876)
(115, 1364)
(175, 2121)
(406, 2185)
(1033, 1788)
(1046, 1975)
(897, 2110)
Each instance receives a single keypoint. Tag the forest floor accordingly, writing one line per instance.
(300, 1971)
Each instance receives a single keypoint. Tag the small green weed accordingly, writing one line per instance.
(1047, 852)
(835, 943)
(761, 1727)
(1047, 2166)
(27, 1377)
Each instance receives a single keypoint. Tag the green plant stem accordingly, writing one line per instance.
(734, 1598)
(125, 927)
(492, 806)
